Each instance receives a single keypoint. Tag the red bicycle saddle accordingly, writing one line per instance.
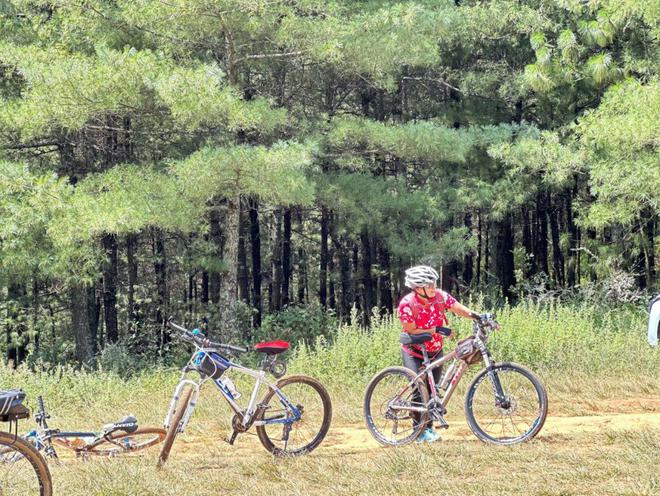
(272, 347)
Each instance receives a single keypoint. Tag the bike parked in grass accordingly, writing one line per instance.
(292, 418)
(118, 438)
(23, 471)
(505, 403)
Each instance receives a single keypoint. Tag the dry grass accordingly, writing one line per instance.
(590, 368)
(607, 461)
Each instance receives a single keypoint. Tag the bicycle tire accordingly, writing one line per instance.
(107, 448)
(265, 437)
(538, 422)
(28, 452)
(173, 429)
(369, 409)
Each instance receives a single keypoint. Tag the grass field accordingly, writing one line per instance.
(602, 436)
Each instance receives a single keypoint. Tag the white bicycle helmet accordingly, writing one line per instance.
(420, 275)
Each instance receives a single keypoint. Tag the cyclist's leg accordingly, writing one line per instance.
(414, 364)
(437, 372)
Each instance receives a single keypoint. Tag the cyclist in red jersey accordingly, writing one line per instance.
(422, 311)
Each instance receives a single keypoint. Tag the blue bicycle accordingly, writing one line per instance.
(292, 418)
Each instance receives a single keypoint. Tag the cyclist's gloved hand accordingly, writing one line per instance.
(445, 331)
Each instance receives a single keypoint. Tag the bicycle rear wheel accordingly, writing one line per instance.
(122, 442)
(23, 471)
(391, 388)
(288, 437)
(521, 414)
(173, 429)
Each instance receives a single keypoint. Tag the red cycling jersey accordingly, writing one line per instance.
(413, 308)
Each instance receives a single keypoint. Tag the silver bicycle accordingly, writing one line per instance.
(505, 403)
(292, 418)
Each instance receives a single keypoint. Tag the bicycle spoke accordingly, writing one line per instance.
(518, 413)
(390, 425)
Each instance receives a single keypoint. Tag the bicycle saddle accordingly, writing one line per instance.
(272, 347)
(127, 424)
(415, 338)
(11, 405)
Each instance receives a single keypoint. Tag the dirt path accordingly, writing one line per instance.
(356, 438)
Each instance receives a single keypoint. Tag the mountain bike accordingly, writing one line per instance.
(114, 439)
(505, 404)
(292, 418)
(23, 471)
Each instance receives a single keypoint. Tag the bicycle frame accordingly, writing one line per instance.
(452, 377)
(247, 416)
(43, 437)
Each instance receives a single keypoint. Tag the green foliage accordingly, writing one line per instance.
(583, 340)
(297, 324)
(28, 203)
(414, 141)
(621, 138)
(275, 174)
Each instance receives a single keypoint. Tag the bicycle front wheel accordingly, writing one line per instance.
(388, 406)
(122, 442)
(23, 471)
(175, 424)
(515, 418)
(282, 435)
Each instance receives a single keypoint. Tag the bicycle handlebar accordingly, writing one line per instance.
(202, 341)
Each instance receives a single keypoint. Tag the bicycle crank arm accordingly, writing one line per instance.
(232, 438)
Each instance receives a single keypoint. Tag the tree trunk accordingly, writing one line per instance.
(557, 255)
(255, 241)
(479, 243)
(217, 240)
(572, 264)
(503, 257)
(36, 303)
(16, 323)
(345, 275)
(286, 257)
(80, 323)
(243, 276)
(109, 242)
(205, 288)
(541, 248)
(132, 269)
(228, 295)
(323, 273)
(367, 279)
(384, 281)
(276, 264)
(530, 267)
(468, 260)
(160, 270)
(302, 276)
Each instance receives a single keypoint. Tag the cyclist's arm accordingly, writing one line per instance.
(411, 328)
(462, 311)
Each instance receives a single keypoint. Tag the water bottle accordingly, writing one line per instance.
(227, 382)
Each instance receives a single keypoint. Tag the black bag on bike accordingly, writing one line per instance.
(211, 366)
(11, 405)
(468, 352)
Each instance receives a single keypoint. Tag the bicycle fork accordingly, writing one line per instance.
(190, 407)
